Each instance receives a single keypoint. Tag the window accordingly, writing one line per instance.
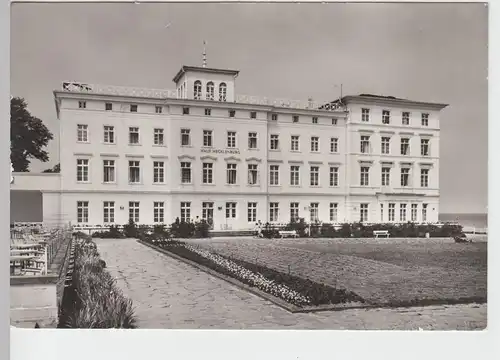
(405, 177)
(197, 90)
(424, 212)
(414, 208)
(275, 142)
(392, 212)
(109, 212)
(207, 212)
(334, 121)
(294, 143)
(252, 140)
(185, 172)
(158, 172)
(231, 174)
(424, 147)
(109, 134)
(425, 119)
(208, 173)
(208, 112)
(185, 137)
(334, 176)
(207, 138)
(274, 117)
(134, 172)
(82, 104)
(314, 178)
(385, 145)
(294, 211)
(424, 178)
(158, 109)
(365, 115)
(314, 119)
(314, 143)
(232, 113)
(133, 211)
(402, 212)
(364, 176)
(273, 211)
(82, 133)
(252, 212)
(333, 212)
(274, 175)
(82, 211)
(82, 170)
(185, 211)
(295, 175)
(108, 106)
(406, 118)
(314, 212)
(253, 115)
(158, 138)
(253, 174)
(231, 139)
(222, 92)
(210, 90)
(108, 171)
(365, 144)
(386, 117)
(386, 176)
(185, 111)
(133, 135)
(363, 212)
(158, 211)
(334, 145)
(295, 118)
(382, 212)
(405, 146)
(230, 210)
(133, 108)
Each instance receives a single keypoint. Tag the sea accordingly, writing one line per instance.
(479, 221)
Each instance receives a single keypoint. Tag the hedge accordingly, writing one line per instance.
(93, 301)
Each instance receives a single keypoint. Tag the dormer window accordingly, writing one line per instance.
(197, 90)
(210, 91)
(222, 92)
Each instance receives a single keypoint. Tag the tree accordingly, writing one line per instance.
(55, 169)
(28, 136)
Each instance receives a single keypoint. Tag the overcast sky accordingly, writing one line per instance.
(427, 52)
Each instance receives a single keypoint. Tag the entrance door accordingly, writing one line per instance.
(208, 213)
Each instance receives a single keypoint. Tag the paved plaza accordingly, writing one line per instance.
(168, 293)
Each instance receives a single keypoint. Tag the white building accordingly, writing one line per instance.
(203, 151)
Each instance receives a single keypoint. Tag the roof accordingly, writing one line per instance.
(185, 68)
(389, 100)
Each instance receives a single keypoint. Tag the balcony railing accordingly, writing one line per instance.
(79, 87)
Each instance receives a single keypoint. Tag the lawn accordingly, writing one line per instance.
(383, 271)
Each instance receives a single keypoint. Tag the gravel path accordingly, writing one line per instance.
(170, 294)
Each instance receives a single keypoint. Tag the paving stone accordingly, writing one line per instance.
(167, 293)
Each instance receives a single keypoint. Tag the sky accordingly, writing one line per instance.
(426, 52)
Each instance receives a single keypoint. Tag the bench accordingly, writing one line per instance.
(287, 233)
(378, 233)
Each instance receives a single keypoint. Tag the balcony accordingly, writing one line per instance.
(79, 87)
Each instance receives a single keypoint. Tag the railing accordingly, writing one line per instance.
(79, 87)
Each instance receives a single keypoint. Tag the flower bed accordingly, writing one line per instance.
(93, 300)
(292, 289)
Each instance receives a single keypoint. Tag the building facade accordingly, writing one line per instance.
(202, 151)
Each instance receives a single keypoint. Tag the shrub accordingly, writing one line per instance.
(270, 232)
(130, 229)
(202, 229)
